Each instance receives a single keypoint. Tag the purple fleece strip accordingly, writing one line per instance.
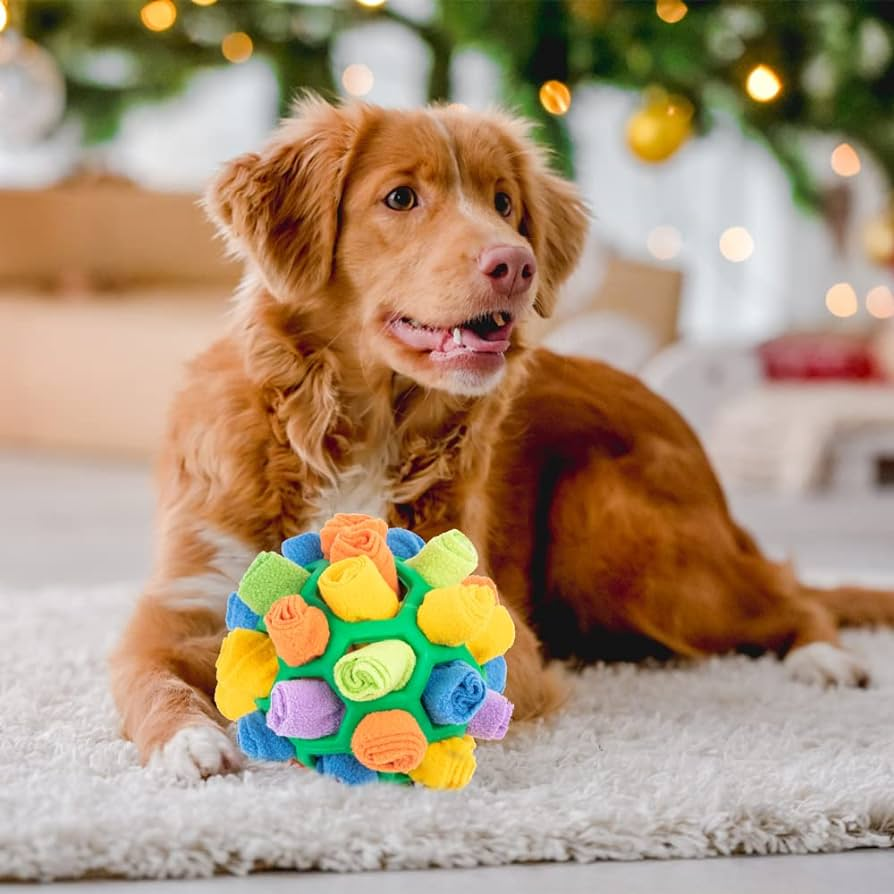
(492, 719)
(304, 709)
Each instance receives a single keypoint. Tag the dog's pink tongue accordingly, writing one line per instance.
(420, 338)
(495, 344)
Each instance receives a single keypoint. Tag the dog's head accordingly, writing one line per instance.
(421, 238)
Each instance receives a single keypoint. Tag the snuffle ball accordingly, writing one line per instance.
(367, 654)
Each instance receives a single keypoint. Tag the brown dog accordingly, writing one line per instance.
(376, 362)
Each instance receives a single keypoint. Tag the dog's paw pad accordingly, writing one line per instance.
(822, 664)
(196, 752)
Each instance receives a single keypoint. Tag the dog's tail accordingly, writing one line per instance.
(855, 606)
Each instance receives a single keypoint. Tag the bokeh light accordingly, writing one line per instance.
(845, 161)
(841, 300)
(237, 47)
(204, 2)
(371, 4)
(763, 83)
(357, 79)
(555, 97)
(4, 15)
(736, 244)
(664, 242)
(880, 302)
(158, 15)
(671, 11)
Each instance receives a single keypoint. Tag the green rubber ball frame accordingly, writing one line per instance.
(343, 635)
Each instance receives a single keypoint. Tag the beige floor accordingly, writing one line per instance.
(88, 522)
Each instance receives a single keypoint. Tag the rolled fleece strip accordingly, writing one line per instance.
(446, 559)
(495, 639)
(375, 670)
(300, 632)
(360, 541)
(495, 673)
(345, 768)
(304, 709)
(239, 614)
(453, 693)
(356, 591)
(303, 549)
(448, 764)
(492, 720)
(451, 616)
(258, 741)
(270, 576)
(389, 741)
(484, 581)
(345, 521)
(246, 669)
(403, 544)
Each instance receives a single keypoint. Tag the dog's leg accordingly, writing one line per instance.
(163, 677)
(163, 673)
(815, 656)
(161, 681)
(535, 690)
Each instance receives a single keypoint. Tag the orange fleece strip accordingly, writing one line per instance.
(348, 520)
(389, 741)
(300, 632)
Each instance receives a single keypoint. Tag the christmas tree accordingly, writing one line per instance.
(783, 69)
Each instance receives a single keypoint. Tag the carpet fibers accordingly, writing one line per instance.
(723, 757)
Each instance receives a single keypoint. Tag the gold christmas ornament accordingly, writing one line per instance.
(660, 127)
(555, 97)
(878, 238)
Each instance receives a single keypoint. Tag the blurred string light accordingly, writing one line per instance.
(736, 244)
(158, 15)
(763, 83)
(4, 15)
(845, 161)
(237, 47)
(555, 97)
(841, 300)
(880, 302)
(664, 242)
(371, 4)
(671, 11)
(204, 2)
(357, 79)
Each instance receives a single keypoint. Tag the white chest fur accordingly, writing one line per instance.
(360, 488)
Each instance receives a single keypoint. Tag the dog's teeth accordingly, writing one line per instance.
(457, 335)
(499, 318)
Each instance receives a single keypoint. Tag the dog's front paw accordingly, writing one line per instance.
(196, 752)
(822, 664)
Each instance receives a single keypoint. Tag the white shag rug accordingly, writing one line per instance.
(724, 757)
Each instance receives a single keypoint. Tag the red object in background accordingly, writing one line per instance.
(820, 356)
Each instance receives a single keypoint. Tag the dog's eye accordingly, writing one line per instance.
(401, 199)
(503, 204)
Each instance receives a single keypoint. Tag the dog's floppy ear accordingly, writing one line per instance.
(279, 208)
(555, 220)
